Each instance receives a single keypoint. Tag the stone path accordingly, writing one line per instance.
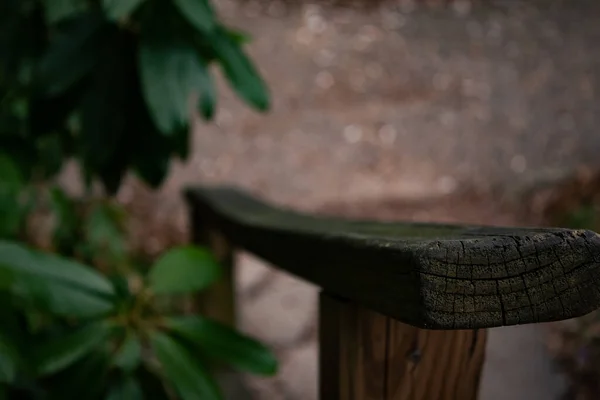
(399, 102)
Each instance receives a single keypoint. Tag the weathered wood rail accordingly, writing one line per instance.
(404, 306)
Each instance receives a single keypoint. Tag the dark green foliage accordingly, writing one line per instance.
(109, 82)
(239, 70)
(220, 342)
(84, 351)
(176, 273)
(106, 83)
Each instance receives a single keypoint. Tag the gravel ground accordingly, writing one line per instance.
(405, 102)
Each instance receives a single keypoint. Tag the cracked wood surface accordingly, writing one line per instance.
(433, 276)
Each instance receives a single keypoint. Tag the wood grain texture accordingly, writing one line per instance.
(352, 355)
(367, 356)
(431, 276)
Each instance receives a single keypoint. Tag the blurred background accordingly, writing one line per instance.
(468, 111)
(483, 112)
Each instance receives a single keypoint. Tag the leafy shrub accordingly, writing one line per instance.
(70, 332)
(106, 84)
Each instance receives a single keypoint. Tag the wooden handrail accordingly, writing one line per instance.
(430, 276)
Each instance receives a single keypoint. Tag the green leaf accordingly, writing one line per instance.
(49, 114)
(11, 21)
(11, 217)
(120, 9)
(9, 359)
(152, 157)
(65, 234)
(12, 213)
(198, 12)
(13, 321)
(126, 388)
(129, 355)
(171, 71)
(51, 154)
(54, 284)
(121, 285)
(50, 267)
(105, 234)
(106, 136)
(20, 150)
(182, 270)
(582, 217)
(238, 37)
(59, 299)
(207, 93)
(63, 206)
(184, 372)
(59, 353)
(73, 53)
(240, 71)
(57, 10)
(84, 379)
(221, 342)
(10, 176)
(181, 143)
(7, 279)
(151, 383)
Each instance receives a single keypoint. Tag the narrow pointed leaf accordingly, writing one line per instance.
(198, 12)
(107, 144)
(104, 232)
(129, 355)
(238, 37)
(66, 227)
(206, 91)
(11, 184)
(72, 54)
(152, 162)
(184, 269)
(21, 259)
(59, 353)
(184, 372)
(120, 9)
(10, 177)
(240, 72)
(171, 71)
(56, 10)
(222, 342)
(152, 156)
(9, 359)
(58, 298)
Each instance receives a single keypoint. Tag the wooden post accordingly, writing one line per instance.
(367, 356)
(217, 302)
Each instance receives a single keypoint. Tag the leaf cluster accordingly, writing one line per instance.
(109, 82)
(70, 332)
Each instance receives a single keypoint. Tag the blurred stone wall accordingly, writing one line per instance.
(408, 99)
